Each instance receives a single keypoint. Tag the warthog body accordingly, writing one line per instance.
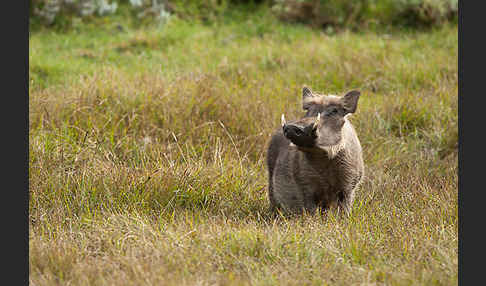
(316, 162)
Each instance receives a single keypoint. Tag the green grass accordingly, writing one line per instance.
(147, 148)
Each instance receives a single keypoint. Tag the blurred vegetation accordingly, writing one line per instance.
(329, 15)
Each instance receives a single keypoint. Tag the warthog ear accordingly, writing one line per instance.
(306, 92)
(350, 101)
(306, 96)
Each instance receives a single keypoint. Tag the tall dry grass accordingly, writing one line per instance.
(148, 168)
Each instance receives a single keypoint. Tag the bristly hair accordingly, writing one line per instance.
(333, 150)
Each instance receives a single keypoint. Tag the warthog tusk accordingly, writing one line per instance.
(317, 120)
(283, 120)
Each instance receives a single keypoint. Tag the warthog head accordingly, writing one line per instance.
(322, 125)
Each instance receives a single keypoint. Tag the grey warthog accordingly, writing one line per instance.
(316, 162)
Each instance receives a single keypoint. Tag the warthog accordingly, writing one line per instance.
(316, 162)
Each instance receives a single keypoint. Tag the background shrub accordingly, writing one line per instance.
(327, 14)
(365, 13)
(61, 13)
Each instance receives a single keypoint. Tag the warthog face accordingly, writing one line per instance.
(323, 122)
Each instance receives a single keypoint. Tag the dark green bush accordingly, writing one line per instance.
(423, 12)
(365, 13)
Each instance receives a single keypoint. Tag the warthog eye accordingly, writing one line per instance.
(332, 111)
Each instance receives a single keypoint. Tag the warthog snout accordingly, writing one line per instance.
(302, 133)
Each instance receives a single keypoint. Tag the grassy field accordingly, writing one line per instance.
(147, 155)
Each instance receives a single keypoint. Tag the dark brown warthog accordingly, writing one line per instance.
(316, 162)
